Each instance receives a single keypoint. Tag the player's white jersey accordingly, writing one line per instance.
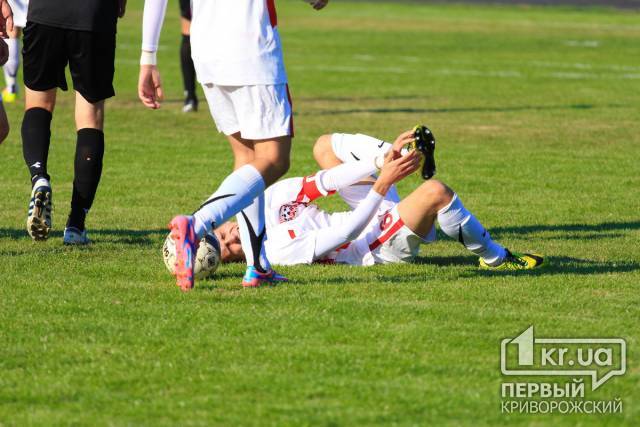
(294, 223)
(236, 43)
(19, 9)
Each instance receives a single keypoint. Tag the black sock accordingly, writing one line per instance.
(188, 69)
(36, 137)
(88, 169)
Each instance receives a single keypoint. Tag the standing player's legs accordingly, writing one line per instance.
(259, 163)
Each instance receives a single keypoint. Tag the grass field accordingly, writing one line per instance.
(536, 111)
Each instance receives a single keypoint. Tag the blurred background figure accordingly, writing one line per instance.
(4, 122)
(19, 8)
(186, 63)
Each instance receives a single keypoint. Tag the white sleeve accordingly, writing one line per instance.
(351, 229)
(152, 19)
(345, 175)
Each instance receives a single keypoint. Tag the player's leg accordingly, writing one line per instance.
(36, 139)
(10, 68)
(19, 9)
(349, 148)
(434, 200)
(272, 160)
(91, 64)
(4, 124)
(186, 62)
(241, 188)
(324, 154)
(87, 166)
(44, 60)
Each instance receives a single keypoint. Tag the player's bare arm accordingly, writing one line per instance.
(149, 81)
(6, 19)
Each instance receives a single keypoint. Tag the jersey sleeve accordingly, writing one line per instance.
(152, 19)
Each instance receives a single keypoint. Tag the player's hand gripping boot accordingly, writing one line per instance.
(425, 143)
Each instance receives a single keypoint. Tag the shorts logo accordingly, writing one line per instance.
(386, 221)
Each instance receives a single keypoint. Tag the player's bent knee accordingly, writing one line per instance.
(322, 145)
(436, 192)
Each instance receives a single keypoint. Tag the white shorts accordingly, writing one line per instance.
(19, 8)
(385, 241)
(257, 112)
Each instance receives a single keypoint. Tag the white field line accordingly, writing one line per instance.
(505, 74)
(582, 43)
(541, 64)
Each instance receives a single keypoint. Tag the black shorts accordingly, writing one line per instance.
(185, 9)
(90, 56)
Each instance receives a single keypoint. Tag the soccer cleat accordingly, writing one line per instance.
(190, 106)
(9, 96)
(186, 243)
(425, 143)
(516, 261)
(75, 236)
(254, 279)
(39, 214)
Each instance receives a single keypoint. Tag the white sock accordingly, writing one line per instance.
(349, 148)
(12, 64)
(41, 182)
(236, 192)
(458, 223)
(253, 234)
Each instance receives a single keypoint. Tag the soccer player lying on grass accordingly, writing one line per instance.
(380, 228)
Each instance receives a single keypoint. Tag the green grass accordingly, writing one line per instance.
(536, 114)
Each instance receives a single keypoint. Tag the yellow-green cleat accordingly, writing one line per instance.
(8, 97)
(515, 261)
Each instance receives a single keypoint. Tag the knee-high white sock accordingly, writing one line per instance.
(235, 193)
(349, 148)
(252, 234)
(458, 223)
(12, 64)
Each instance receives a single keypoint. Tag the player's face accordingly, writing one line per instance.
(230, 248)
